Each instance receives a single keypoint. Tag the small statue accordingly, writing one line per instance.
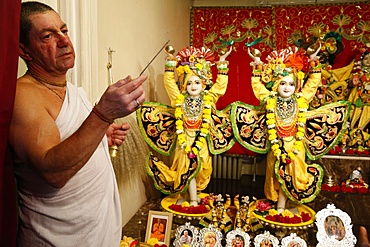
(356, 180)
(360, 96)
(357, 138)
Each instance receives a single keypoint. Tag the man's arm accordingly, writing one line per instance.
(35, 137)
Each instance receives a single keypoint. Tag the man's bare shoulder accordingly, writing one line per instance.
(27, 90)
(31, 120)
(33, 98)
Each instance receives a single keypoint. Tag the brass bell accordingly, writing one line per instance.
(330, 181)
(113, 151)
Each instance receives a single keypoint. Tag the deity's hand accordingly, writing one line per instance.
(313, 56)
(117, 133)
(171, 60)
(256, 56)
(224, 56)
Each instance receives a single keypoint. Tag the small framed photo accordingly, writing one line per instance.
(159, 226)
(266, 240)
(186, 235)
(293, 241)
(237, 238)
(210, 237)
(334, 228)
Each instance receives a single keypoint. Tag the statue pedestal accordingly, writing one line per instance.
(181, 218)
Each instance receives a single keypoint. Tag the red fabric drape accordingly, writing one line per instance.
(9, 29)
(271, 28)
(350, 21)
(213, 27)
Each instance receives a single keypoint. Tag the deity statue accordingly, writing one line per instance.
(360, 93)
(284, 128)
(192, 127)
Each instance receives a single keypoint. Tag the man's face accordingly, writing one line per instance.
(50, 46)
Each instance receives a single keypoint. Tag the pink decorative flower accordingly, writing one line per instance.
(191, 155)
(264, 206)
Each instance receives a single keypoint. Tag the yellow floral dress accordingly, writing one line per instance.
(175, 178)
(301, 179)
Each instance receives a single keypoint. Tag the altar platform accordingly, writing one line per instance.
(248, 185)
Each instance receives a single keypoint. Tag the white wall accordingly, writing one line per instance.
(136, 30)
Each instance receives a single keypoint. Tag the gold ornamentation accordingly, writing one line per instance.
(275, 133)
(204, 130)
(46, 83)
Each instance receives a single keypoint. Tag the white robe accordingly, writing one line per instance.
(86, 211)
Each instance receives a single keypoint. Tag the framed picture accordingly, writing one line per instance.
(334, 228)
(293, 241)
(186, 235)
(237, 238)
(266, 240)
(210, 237)
(159, 226)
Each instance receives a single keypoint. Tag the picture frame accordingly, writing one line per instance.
(186, 234)
(266, 240)
(210, 237)
(293, 241)
(159, 226)
(237, 238)
(334, 228)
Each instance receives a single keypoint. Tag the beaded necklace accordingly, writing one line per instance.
(277, 131)
(193, 107)
(200, 139)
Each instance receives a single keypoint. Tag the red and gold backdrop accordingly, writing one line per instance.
(271, 28)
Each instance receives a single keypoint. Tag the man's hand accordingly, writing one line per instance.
(117, 133)
(123, 97)
(363, 239)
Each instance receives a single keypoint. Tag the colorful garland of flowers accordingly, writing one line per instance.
(130, 242)
(287, 217)
(193, 151)
(266, 208)
(273, 137)
(185, 207)
(200, 209)
(345, 189)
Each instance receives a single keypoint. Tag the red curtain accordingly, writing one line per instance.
(350, 21)
(9, 29)
(215, 28)
(271, 28)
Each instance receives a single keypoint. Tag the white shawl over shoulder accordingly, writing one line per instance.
(86, 211)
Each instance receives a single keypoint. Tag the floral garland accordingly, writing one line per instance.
(200, 140)
(266, 208)
(273, 137)
(130, 242)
